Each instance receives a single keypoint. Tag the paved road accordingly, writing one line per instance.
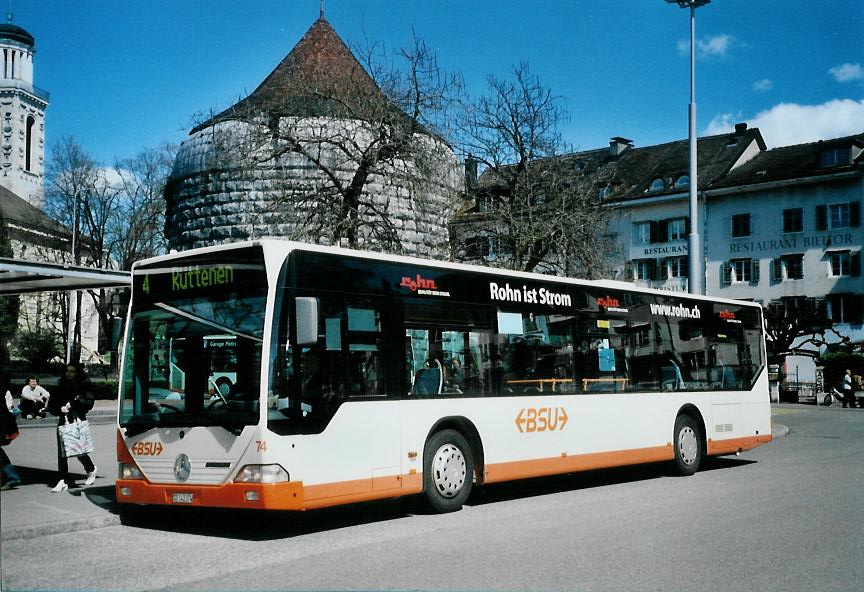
(786, 516)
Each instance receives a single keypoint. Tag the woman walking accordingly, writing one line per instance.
(72, 399)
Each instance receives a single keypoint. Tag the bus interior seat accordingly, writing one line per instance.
(429, 380)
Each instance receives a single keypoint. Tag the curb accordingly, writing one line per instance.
(30, 532)
(42, 422)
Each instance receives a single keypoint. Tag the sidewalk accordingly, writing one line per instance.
(32, 510)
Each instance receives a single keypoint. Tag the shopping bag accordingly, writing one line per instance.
(75, 437)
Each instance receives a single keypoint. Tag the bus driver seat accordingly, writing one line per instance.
(429, 379)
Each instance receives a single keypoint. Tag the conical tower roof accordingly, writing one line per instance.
(320, 77)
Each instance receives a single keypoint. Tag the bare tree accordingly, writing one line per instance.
(118, 214)
(357, 156)
(803, 331)
(139, 223)
(72, 177)
(534, 207)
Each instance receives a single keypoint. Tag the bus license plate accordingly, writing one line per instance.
(182, 498)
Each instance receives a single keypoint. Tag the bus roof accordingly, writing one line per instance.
(285, 246)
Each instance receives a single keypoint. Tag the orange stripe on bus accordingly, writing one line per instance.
(295, 496)
(733, 445)
(272, 496)
(524, 469)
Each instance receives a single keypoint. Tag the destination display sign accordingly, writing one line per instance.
(203, 276)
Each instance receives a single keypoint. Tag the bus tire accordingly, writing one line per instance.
(687, 442)
(448, 471)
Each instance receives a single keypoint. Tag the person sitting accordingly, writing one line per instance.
(34, 399)
(455, 377)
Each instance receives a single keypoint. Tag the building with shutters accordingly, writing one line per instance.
(781, 227)
(786, 226)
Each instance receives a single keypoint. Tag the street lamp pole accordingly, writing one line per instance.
(73, 294)
(696, 271)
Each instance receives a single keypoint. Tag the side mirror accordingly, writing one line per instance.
(306, 315)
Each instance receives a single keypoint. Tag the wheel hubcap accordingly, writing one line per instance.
(448, 470)
(688, 445)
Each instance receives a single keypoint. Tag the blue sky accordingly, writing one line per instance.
(131, 74)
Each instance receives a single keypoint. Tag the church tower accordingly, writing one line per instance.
(22, 117)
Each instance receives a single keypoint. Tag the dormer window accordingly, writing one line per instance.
(657, 185)
(485, 203)
(683, 181)
(605, 192)
(835, 157)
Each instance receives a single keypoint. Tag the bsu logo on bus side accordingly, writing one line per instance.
(544, 419)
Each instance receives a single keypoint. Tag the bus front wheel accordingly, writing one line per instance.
(448, 473)
(688, 445)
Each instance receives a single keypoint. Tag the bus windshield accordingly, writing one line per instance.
(193, 355)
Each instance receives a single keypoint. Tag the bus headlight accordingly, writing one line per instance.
(262, 474)
(129, 471)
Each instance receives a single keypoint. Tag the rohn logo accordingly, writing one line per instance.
(418, 283)
(608, 302)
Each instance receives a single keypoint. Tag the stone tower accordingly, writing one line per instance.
(237, 177)
(22, 110)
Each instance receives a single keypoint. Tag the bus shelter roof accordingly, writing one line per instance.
(18, 276)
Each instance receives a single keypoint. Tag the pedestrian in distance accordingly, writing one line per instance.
(10, 404)
(34, 399)
(72, 399)
(848, 390)
(9, 477)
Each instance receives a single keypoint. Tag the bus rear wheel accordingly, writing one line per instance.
(448, 471)
(688, 445)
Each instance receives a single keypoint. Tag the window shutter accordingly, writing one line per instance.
(856, 305)
(629, 271)
(662, 269)
(687, 230)
(663, 231)
(854, 214)
(748, 220)
(754, 271)
(652, 269)
(726, 273)
(821, 217)
(653, 232)
(821, 307)
(777, 270)
(855, 264)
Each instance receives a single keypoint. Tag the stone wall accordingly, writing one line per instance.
(227, 186)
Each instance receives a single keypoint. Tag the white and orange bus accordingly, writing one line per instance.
(362, 376)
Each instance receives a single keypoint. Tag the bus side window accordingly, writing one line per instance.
(364, 343)
(536, 353)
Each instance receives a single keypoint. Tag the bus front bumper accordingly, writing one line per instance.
(260, 496)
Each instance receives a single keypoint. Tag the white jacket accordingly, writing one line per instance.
(35, 394)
